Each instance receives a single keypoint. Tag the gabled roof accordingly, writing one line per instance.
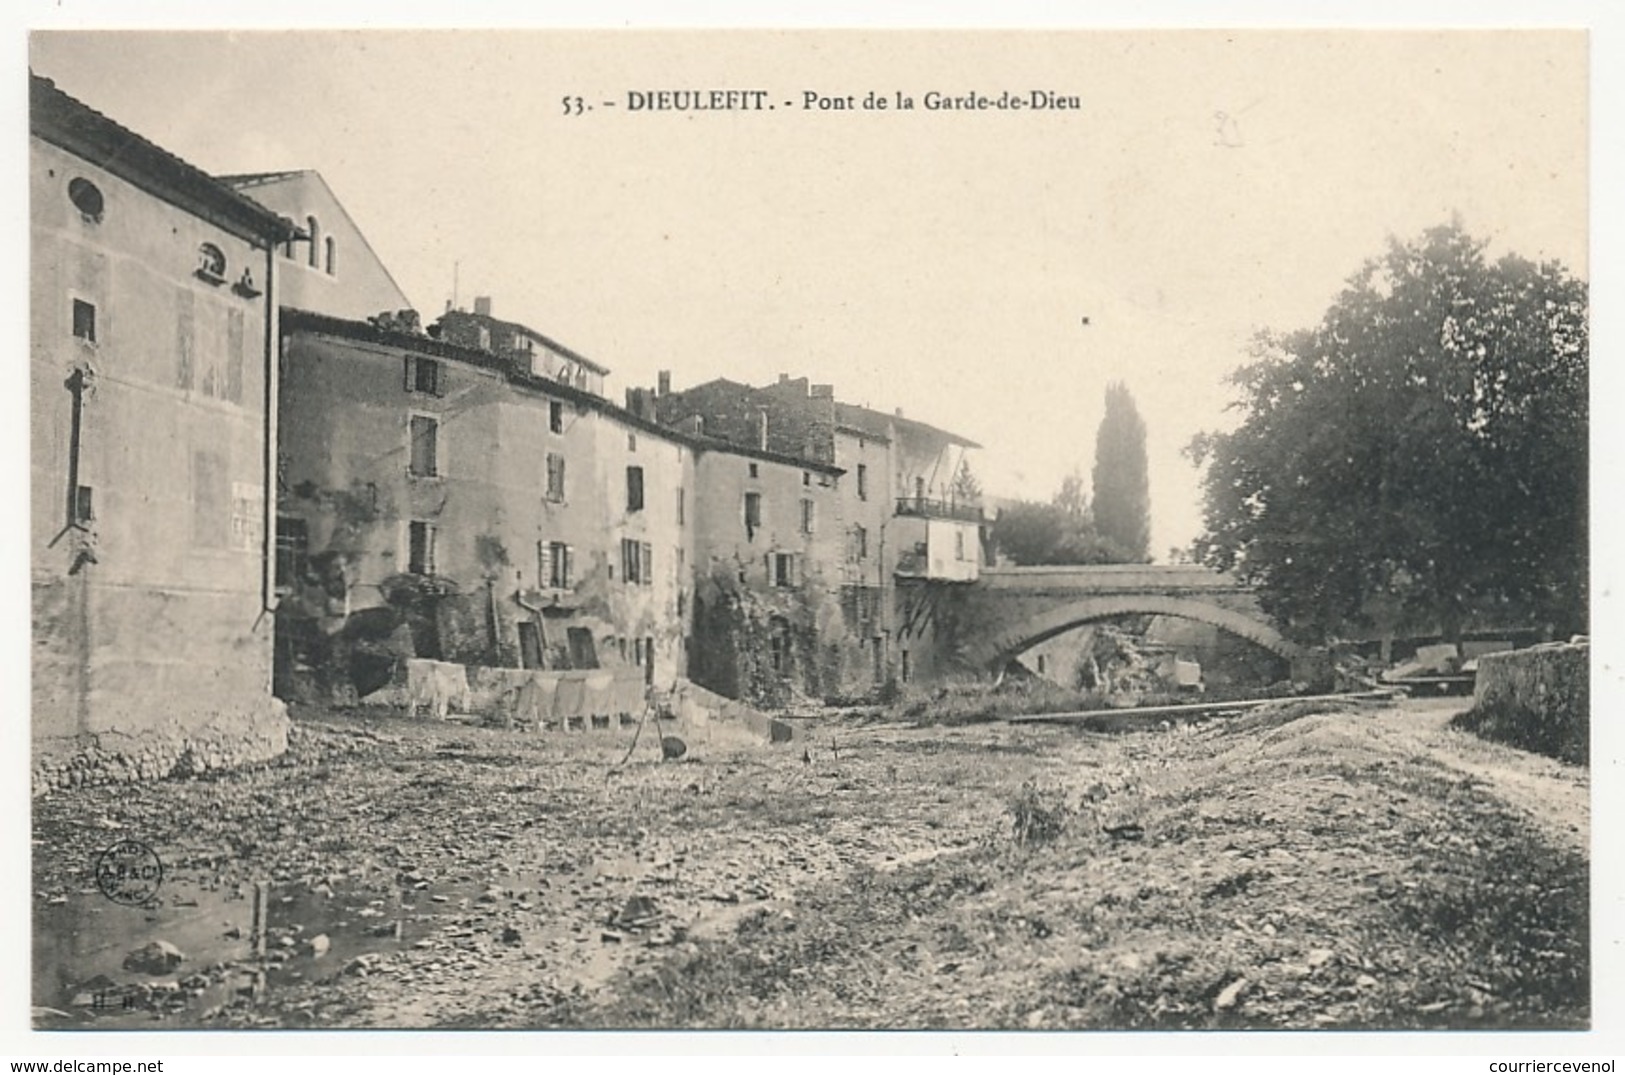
(67, 122)
(250, 180)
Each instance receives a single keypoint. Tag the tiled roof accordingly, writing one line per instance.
(254, 179)
(866, 420)
(294, 320)
(67, 122)
(496, 324)
(873, 423)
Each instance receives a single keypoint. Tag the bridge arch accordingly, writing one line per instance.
(1047, 624)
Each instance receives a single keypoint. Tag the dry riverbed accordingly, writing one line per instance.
(1282, 869)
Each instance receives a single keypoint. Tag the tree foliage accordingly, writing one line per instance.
(1417, 461)
(966, 489)
(1122, 487)
(1062, 531)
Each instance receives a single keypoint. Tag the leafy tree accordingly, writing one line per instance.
(1418, 459)
(1071, 500)
(1028, 532)
(1121, 483)
(1060, 532)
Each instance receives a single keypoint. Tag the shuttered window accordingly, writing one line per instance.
(555, 564)
(425, 446)
(425, 376)
(634, 488)
(637, 562)
(555, 477)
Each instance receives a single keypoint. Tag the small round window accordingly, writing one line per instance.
(86, 196)
(211, 261)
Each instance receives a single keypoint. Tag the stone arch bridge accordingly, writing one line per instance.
(982, 625)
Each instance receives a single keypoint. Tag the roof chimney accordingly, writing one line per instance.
(639, 403)
(663, 386)
(784, 378)
(899, 412)
(482, 305)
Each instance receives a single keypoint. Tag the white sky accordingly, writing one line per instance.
(940, 262)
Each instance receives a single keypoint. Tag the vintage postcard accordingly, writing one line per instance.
(1039, 530)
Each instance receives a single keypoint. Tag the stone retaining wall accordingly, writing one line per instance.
(1536, 699)
(228, 741)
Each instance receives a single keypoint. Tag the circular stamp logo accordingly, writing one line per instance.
(129, 872)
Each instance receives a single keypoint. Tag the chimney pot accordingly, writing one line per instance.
(664, 384)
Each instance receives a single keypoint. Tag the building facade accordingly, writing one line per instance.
(767, 619)
(152, 379)
(442, 502)
(898, 520)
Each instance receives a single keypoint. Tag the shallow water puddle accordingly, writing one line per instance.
(81, 946)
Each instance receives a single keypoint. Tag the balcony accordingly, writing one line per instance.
(926, 508)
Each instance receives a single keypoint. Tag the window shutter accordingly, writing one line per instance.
(544, 564)
(439, 378)
(648, 564)
(569, 565)
(406, 383)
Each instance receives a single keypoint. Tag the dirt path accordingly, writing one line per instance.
(1554, 796)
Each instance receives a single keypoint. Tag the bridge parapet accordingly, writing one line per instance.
(1111, 579)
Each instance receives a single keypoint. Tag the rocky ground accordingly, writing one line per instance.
(1289, 868)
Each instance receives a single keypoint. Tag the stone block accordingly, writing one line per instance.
(1536, 699)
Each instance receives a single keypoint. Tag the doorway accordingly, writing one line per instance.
(530, 645)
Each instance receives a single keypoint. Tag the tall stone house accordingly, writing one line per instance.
(152, 385)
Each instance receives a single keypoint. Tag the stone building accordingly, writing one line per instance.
(444, 502)
(768, 621)
(153, 293)
(242, 433)
(895, 515)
